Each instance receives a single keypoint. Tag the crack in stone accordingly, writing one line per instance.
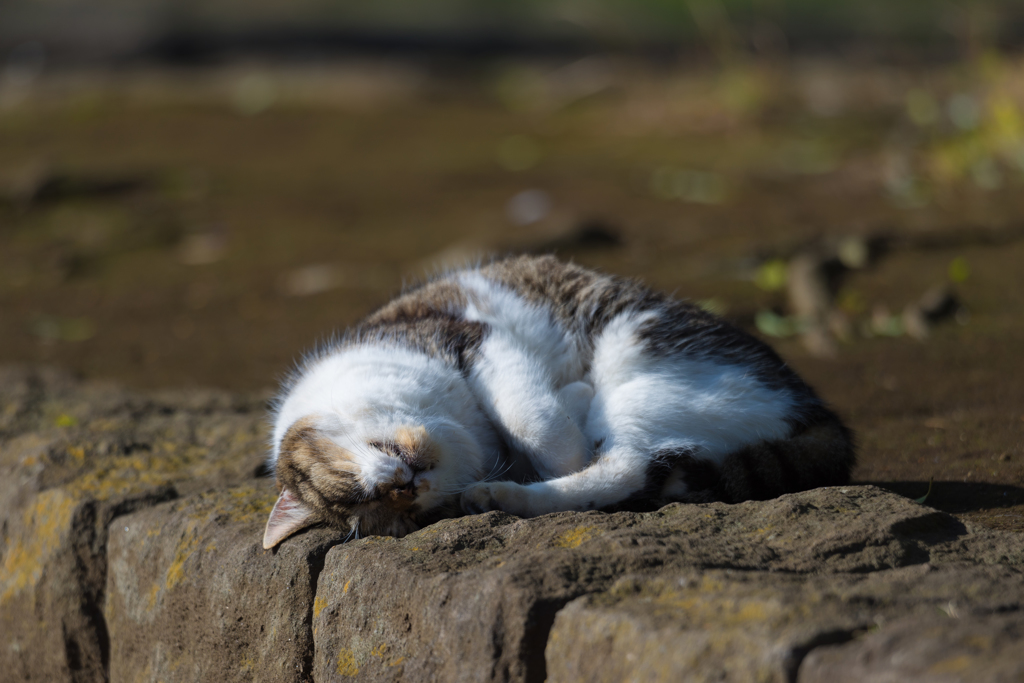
(317, 562)
(316, 567)
(540, 622)
(91, 551)
(796, 656)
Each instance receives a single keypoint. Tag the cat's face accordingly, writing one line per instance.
(381, 475)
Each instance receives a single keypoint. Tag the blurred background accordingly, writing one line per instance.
(192, 193)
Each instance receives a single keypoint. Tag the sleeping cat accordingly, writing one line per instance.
(533, 386)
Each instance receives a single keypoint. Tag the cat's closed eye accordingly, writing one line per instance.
(396, 450)
(412, 445)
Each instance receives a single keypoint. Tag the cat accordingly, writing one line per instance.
(532, 386)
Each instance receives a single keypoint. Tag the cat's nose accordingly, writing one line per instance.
(406, 490)
(421, 484)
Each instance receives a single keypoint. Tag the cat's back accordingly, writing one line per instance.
(431, 316)
(578, 298)
(565, 289)
(584, 302)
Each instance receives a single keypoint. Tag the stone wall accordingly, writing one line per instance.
(131, 551)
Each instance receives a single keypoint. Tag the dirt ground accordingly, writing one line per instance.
(202, 228)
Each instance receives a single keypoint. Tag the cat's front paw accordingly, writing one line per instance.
(477, 499)
(497, 495)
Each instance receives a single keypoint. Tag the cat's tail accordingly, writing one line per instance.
(819, 452)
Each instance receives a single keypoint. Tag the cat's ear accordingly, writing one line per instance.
(287, 517)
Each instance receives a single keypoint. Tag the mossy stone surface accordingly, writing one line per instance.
(132, 527)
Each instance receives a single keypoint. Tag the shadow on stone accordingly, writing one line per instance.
(956, 497)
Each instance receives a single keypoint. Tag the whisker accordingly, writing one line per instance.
(495, 470)
(492, 476)
(450, 491)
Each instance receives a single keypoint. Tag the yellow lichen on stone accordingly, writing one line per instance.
(347, 664)
(381, 652)
(711, 585)
(132, 473)
(154, 591)
(65, 420)
(952, 665)
(78, 453)
(102, 425)
(146, 674)
(574, 537)
(44, 524)
(318, 606)
(186, 547)
(242, 504)
(251, 504)
(347, 584)
(712, 603)
(980, 642)
(752, 611)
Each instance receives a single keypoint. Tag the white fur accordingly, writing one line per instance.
(364, 393)
(523, 363)
(642, 405)
(678, 402)
(528, 386)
